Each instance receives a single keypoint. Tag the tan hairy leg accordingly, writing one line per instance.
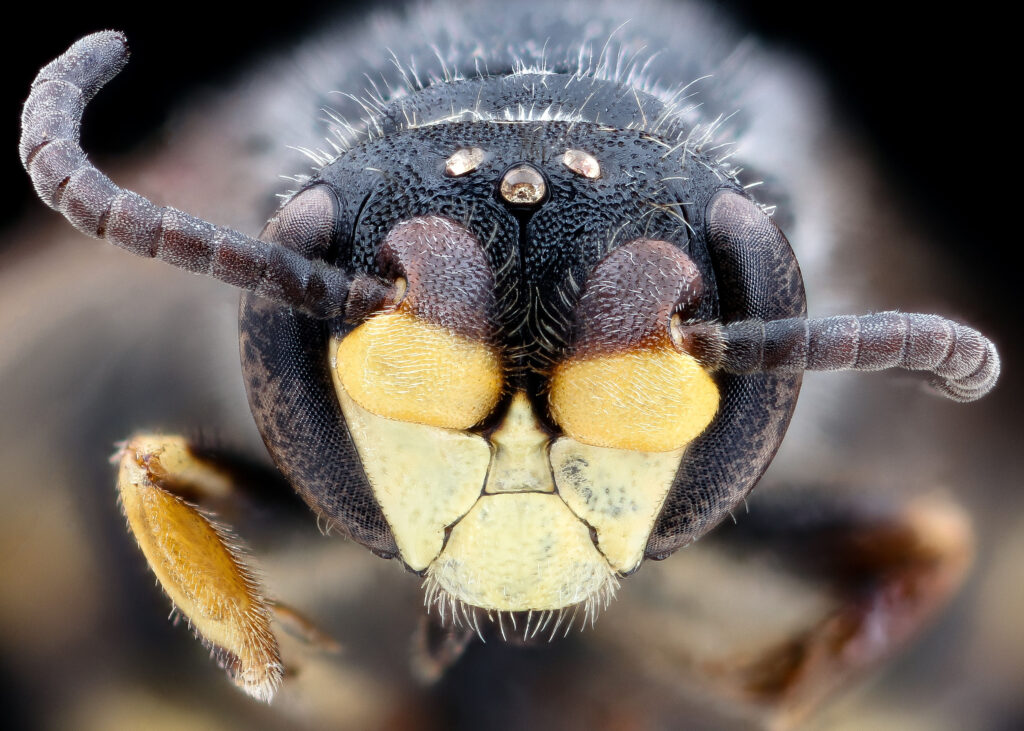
(200, 564)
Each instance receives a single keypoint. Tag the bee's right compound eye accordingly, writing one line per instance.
(430, 358)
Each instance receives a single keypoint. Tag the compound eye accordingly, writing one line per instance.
(627, 384)
(431, 358)
(306, 223)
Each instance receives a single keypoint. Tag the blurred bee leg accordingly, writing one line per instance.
(303, 628)
(200, 564)
(887, 570)
(436, 646)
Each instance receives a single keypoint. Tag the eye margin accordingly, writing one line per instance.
(757, 277)
(288, 384)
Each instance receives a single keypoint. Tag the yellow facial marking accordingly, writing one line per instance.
(423, 477)
(196, 562)
(400, 367)
(519, 510)
(646, 400)
(618, 492)
(520, 462)
(521, 551)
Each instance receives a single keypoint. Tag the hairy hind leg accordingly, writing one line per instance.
(201, 565)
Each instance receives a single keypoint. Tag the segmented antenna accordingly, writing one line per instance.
(963, 363)
(66, 181)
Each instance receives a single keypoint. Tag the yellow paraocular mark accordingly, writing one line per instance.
(398, 366)
(650, 400)
(616, 491)
(423, 477)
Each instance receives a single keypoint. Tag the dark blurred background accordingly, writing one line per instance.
(929, 89)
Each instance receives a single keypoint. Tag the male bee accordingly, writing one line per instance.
(527, 325)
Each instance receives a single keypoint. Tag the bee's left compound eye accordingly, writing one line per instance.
(431, 357)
